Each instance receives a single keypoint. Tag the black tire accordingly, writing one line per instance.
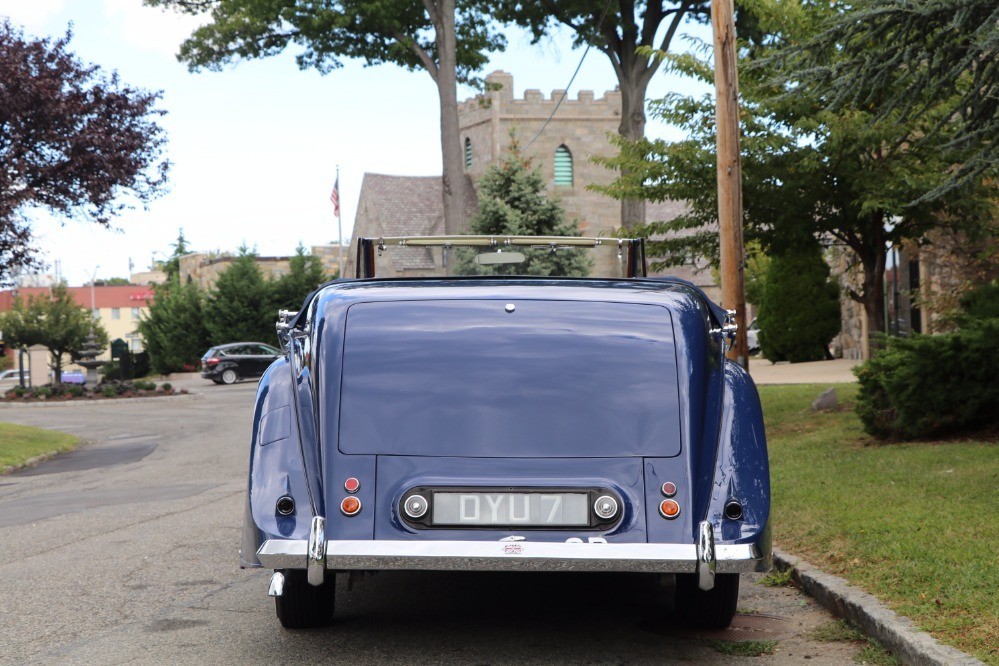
(230, 376)
(304, 606)
(713, 609)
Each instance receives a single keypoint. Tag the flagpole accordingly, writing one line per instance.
(339, 223)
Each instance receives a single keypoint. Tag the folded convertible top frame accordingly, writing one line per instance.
(635, 265)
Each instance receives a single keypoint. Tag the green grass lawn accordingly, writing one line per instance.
(18, 444)
(913, 523)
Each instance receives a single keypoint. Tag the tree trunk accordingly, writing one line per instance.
(634, 85)
(453, 176)
(873, 260)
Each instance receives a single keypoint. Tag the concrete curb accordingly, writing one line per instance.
(98, 401)
(895, 632)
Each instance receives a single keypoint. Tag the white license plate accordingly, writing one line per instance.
(513, 509)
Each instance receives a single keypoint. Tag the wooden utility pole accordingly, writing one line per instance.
(729, 173)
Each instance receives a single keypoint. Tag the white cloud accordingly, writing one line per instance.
(150, 28)
(33, 15)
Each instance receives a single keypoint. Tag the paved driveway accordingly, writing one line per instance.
(125, 551)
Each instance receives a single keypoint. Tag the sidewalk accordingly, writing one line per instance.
(837, 371)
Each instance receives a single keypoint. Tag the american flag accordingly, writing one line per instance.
(335, 197)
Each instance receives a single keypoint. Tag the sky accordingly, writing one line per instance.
(255, 148)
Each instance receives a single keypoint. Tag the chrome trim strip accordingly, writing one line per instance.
(516, 556)
(316, 565)
(706, 562)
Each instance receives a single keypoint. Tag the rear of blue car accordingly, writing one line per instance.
(535, 425)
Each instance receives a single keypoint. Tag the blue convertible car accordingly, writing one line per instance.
(493, 421)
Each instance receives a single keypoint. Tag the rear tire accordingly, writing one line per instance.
(713, 609)
(229, 376)
(304, 606)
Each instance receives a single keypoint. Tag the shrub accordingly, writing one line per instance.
(43, 392)
(74, 391)
(931, 385)
(167, 387)
(981, 303)
(799, 307)
(109, 392)
(19, 391)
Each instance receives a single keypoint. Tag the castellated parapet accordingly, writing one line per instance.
(582, 126)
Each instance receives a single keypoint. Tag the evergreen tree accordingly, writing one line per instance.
(799, 309)
(305, 273)
(54, 321)
(512, 202)
(174, 330)
(172, 265)
(239, 308)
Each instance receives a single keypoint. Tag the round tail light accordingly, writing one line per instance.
(669, 489)
(350, 506)
(415, 506)
(669, 509)
(352, 485)
(605, 507)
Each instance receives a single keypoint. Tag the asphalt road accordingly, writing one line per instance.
(126, 551)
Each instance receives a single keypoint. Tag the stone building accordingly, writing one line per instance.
(203, 268)
(579, 130)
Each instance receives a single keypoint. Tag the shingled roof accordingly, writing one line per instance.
(405, 206)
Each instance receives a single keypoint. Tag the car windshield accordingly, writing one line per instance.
(547, 256)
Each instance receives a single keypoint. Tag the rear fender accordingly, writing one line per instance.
(276, 467)
(742, 469)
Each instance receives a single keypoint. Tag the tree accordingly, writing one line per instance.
(512, 202)
(73, 140)
(172, 265)
(943, 50)
(239, 307)
(305, 273)
(54, 321)
(799, 307)
(845, 177)
(620, 31)
(174, 330)
(447, 39)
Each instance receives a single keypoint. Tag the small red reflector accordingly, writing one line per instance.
(351, 485)
(669, 509)
(669, 489)
(350, 506)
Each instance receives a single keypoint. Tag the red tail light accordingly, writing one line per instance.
(212, 362)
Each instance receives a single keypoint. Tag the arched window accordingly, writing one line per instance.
(563, 167)
(468, 153)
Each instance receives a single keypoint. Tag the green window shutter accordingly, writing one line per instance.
(468, 153)
(563, 167)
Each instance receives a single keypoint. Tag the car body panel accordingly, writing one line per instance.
(715, 450)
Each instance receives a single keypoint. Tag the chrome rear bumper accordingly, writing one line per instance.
(523, 555)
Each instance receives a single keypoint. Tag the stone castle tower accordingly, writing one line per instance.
(578, 131)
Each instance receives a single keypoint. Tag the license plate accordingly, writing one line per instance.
(514, 509)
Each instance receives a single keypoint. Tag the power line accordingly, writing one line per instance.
(566, 91)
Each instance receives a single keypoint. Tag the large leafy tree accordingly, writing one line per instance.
(847, 177)
(73, 140)
(305, 273)
(946, 51)
(512, 202)
(448, 39)
(619, 30)
(54, 321)
(239, 307)
(174, 330)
